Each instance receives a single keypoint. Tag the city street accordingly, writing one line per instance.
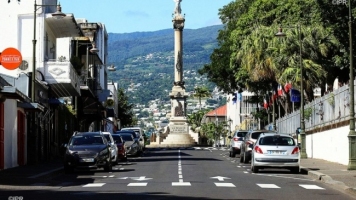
(192, 173)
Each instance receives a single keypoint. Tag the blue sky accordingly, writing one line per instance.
(127, 16)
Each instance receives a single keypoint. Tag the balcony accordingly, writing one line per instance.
(62, 78)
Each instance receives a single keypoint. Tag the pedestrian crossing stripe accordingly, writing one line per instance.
(268, 186)
(137, 184)
(224, 185)
(94, 185)
(311, 187)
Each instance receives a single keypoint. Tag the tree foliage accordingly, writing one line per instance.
(125, 113)
(249, 56)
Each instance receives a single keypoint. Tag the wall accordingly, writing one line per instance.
(331, 145)
(10, 136)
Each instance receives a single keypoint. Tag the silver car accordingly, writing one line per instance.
(113, 147)
(248, 142)
(235, 142)
(132, 145)
(273, 150)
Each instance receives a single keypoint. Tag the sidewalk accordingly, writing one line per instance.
(30, 175)
(331, 173)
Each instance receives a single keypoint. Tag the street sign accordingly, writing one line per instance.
(10, 58)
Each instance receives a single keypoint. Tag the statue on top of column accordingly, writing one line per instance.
(177, 10)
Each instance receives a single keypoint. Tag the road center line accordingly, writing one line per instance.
(180, 174)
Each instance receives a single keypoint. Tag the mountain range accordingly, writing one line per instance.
(144, 60)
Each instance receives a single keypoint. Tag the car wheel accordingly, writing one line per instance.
(241, 158)
(254, 169)
(108, 167)
(245, 159)
(295, 170)
(68, 170)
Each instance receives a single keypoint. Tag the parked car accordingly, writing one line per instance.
(121, 147)
(113, 147)
(140, 135)
(87, 150)
(136, 135)
(248, 142)
(235, 142)
(275, 151)
(132, 145)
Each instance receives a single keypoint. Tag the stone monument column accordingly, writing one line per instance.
(178, 127)
(178, 95)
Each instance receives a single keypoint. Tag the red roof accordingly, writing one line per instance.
(221, 111)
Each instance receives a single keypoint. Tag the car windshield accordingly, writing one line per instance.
(127, 137)
(128, 132)
(117, 139)
(87, 140)
(277, 140)
(241, 134)
(255, 135)
(107, 136)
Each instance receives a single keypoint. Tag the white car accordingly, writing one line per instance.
(235, 142)
(273, 150)
(113, 146)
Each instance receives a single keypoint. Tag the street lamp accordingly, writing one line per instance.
(302, 124)
(352, 134)
(58, 14)
(230, 122)
(112, 68)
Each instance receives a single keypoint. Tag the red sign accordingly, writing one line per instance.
(10, 58)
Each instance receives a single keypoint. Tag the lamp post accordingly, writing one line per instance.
(33, 129)
(352, 135)
(273, 114)
(230, 122)
(302, 123)
(57, 14)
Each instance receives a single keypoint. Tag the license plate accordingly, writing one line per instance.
(276, 152)
(87, 160)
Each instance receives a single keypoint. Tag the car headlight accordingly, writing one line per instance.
(103, 152)
(69, 152)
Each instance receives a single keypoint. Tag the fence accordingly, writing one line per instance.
(327, 110)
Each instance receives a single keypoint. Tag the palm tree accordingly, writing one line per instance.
(194, 120)
(201, 92)
(318, 47)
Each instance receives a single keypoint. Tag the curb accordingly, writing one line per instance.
(327, 179)
(48, 174)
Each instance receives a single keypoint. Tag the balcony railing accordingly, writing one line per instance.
(62, 78)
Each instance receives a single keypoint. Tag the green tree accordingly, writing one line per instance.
(201, 92)
(195, 119)
(125, 113)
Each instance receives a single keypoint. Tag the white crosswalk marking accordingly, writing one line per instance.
(311, 187)
(137, 184)
(224, 185)
(94, 185)
(268, 186)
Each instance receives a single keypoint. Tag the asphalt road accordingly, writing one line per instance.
(179, 174)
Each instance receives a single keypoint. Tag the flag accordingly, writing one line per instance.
(294, 95)
(239, 96)
(274, 95)
(234, 98)
(280, 90)
(287, 87)
(265, 104)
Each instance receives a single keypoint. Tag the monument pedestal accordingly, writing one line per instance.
(178, 134)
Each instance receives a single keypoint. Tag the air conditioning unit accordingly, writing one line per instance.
(25, 65)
